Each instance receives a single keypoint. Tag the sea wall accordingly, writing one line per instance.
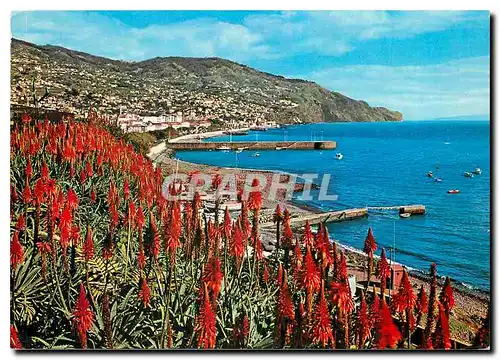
(254, 145)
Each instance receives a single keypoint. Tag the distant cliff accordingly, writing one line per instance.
(219, 89)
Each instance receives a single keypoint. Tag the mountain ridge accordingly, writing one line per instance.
(214, 88)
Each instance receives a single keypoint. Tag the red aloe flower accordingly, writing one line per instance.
(44, 248)
(325, 249)
(259, 249)
(422, 304)
(68, 151)
(374, 310)
(279, 275)
(310, 277)
(21, 223)
(370, 244)
(174, 232)
(307, 236)
(16, 251)
(27, 196)
(369, 248)
(15, 343)
(241, 330)
(255, 197)
(144, 292)
(205, 328)
(388, 334)
(237, 245)
(287, 238)
(39, 191)
(13, 194)
(212, 276)
(227, 224)
(72, 199)
(93, 196)
(364, 324)
(139, 218)
(442, 333)
(131, 213)
(321, 331)
(44, 172)
(446, 297)
(88, 169)
(29, 169)
(277, 215)
(88, 245)
(285, 312)
(342, 274)
(406, 298)
(297, 260)
(383, 272)
(265, 274)
(82, 176)
(83, 317)
(341, 296)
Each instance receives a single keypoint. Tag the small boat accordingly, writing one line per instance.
(404, 215)
(278, 148)
(238, 150)
(255, 154)
(224, 148)
(430, 174)
(339, 156)
(438, 180)
(454, 191)
(477, 171)
(468, 174)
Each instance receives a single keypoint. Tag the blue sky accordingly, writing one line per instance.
(424, 64)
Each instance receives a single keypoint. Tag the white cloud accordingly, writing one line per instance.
(104, 36)
(459, 87)
(264, 36)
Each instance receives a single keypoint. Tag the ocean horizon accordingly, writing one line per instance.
(386, 164)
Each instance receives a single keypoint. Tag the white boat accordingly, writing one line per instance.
(477, 171)
(238, 150)
(438, 180)
(468, 174)
(404, 215)
(255, 154)
(430, 174)
(339, 156)
(224, 148)
(278, 148)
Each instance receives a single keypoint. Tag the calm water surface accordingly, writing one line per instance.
(386, 164)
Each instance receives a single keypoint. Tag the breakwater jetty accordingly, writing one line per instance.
(253, 145)
(330, 216)
(345, 215)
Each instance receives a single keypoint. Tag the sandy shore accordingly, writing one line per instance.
(471, 305)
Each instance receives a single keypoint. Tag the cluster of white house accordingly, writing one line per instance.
(136, 123)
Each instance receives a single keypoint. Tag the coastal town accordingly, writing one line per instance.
(144, 103)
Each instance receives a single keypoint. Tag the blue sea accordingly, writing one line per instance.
(386, 164)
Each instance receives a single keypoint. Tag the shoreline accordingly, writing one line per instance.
(472, 302)
(295, 204)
